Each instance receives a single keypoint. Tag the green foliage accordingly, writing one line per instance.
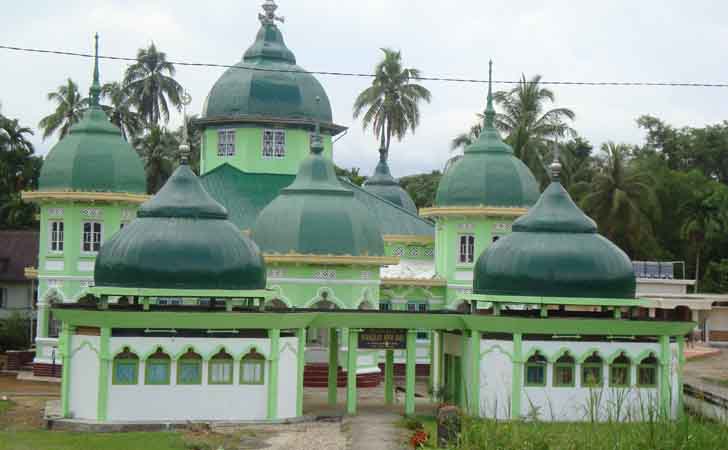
(159, 150)
(5, 406)
(422, 188)
(716, 277)
(55, 440)
(70, 106)
(392, 101)
(19, 171)
(350, 174)
(14, 333)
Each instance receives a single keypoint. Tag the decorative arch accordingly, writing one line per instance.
(535, 350)
(216, 350)
(278, 295)
(276, 303)
(325, 293)
(499, 348)
(186, 349)
(646, 354)
(251, 348)
(561, 352)
(617, 354)
(124, 349)
(587, 354)
(85, 343)
(155, 349)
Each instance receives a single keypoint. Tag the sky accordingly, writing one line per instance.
(616, 40)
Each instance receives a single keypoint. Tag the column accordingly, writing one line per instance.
(475, 373)
(104, 363)
(409, 401)
(65, 349)
(351, 371)
(388, 376)
(440, 360)
(681, 360)
(517, 376)
(434, 363)
(463, 391)
(301, 363)
(274, 336)
(43, 318)
(665, 359)
(333, 365)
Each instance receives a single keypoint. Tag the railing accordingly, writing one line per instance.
(664, 270)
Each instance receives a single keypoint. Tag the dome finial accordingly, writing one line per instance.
(556, 164)
(269, 18)
(489, 111)
(95, 91)
(184, 146)
(317, 145)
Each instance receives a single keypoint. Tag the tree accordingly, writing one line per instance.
(422, 188)
(463, 140)
(159, 151)
(529, 127)
(351, 175)
(19, 170)
(622, 200)
(70, 106)
(13, 136)
(120, 111)
(392, 101)
(151, 85)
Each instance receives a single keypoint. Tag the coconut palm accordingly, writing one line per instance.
(151, 85)
(70, 106)
(621, 199)
(13, 136)
(705, 219)
(158, 150)
(391, 104)
(529, 126)
(463, 140)
(120, 111)
(194, 139)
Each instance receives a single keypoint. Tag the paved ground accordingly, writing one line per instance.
(709, 373)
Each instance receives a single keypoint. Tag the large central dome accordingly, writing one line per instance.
(267, 84)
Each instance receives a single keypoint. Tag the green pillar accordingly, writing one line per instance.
(301, 360)
(388, 376)
(681, 364)
(333, 365)
(65, 349)
(475, 373)
(409, 400)
(517, 376)
(44, 314)
(274, 335)
(351, 353)
(434, 368)
(463, 391)
(665, 357)
(104, 363)
(440, 359)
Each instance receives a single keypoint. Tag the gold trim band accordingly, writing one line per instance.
(79, 196)
(332, 259)
(472, 211)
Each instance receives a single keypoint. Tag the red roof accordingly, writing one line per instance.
(18, 250)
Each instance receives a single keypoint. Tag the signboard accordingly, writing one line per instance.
(383, 338)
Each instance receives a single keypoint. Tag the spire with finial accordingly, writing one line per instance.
(95, 91)
(489, 110)
(556, 164)
(317, 144)
(184, 146)
(270, 18)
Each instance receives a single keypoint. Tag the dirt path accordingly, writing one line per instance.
(375, 430)
(709, 373)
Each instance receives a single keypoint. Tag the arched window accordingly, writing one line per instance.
(157, 368)
(619, 372)
(647, 372)
(564, 369)
(189, 369)
(536, 370)
(591, 371)
(252, 368)
(126, 368)
(221, 369)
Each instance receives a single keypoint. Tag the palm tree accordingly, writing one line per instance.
(120, 111)
(151, 85)
(13, 136)
(463, 140)
(194, 139)
(530, 128)
(621, 199)
(392, 101)
(705, 219)
(70, 106)
(158, 149)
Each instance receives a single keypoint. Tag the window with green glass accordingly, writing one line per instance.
(189, 369)
(564, 371)
(252, 369)
(536, 370)
(157, 368)
(619, 372)
(647, 372)
(126, 368)
(591, 371)
(220, 369)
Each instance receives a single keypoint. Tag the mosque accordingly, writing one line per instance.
(224, 295)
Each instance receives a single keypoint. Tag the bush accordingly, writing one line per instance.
(14, 333)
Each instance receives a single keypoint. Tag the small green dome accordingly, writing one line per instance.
(181, 239)
(317, 215)
(93, 157)
(555, 251)
(385, 186)
(267, 84)
(488, 174)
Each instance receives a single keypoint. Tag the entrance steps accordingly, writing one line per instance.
(317, 375)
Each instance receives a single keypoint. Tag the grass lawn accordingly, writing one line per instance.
(5, 406)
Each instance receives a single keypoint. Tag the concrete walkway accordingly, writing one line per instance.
(375, 430)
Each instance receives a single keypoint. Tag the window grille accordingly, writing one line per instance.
(56, 239)
(91, 237)
(274, 144)
(226, 143)
(467, 248)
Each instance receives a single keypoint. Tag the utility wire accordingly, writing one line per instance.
(369, 75)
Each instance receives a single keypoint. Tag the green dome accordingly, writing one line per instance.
(181, 239)
(93, 157)
(488, 174)
(267, 84)
(317, 215)
(555, 251)
(385, 186)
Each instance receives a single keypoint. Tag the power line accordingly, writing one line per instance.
(369, 75)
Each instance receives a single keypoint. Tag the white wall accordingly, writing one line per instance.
(496, 372)
(84, 378)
